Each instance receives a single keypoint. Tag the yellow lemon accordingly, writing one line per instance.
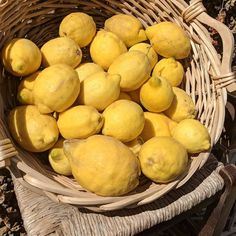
(182, 106)
(170, 69)
(33, 131)
(21, 57)
(156, 95)
(105, 48)
(100, 90)
(79, 122)
(87, 69)
(62, 50)
(134, 69)
(78, 26)
(163, 159)
(148, 50)
(124, 96)
(103, 165)
(156, 124)
(58, 160)
(192, 135)
(56, 88)
(124, 120)
(135, 145)
(128, 28)
(25, 89)
(169, 40)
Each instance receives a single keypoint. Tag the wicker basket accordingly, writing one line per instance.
(206, 80)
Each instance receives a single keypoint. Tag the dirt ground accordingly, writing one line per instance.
(10, 218)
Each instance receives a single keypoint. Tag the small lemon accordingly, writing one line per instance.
(79, 122)
(21, 57)
(100, 90)
(193, 135)
(105, 48)
(33, 131)
(124, 120)
(103, 165)
(135, 145)
(182, 106)
(58, 160)
(156, 95)
(128, 28)
(169, 40)
(148, 50)
(163, 159)
(86, 69)
(56, 88)
(156, 124)
(25, 89)
(135, 95)
(78, 26)
(169, 69)
(134, 69)
(62, 50)
(124, 95)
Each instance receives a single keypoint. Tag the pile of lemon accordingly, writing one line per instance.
(107, 120)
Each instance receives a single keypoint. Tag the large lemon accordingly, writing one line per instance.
(86, 69)
(62, 50)
(171, 70)
(128, 28)
(134, 69)
(58, 160)
(100, 90)
(105, 48)
(103, 165)
(156, 95)
(163, 159)
(79, 122)
(169, 40)
(78, 26)
(25, 89)
(21, 57)
(33, 131)
(56, 88)
(124, 120)
(156, 124)
(192, 135)
(182, 106)
(148, 50)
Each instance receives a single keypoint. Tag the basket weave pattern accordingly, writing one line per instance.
(206, 80)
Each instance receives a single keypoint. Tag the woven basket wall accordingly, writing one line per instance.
(207, 77)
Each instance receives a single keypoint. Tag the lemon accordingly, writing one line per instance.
(124, 95)
(58, 160)
(79, 122)
(103, 165)
(169, 40)
(128, 28)
(62, 50)
(100, 90)
(135, 95)
(156, 124)
(156, 95)
(163, 159)
(56, 88)
(124, 120)
(21, 57)
(182, 106)
(192, 135)
(78, 26)
(105, 48)
(86, 69)
(148, 50)
(25, 89)
(135, 145)
(171, 70)
(134, 69)
(33, 131)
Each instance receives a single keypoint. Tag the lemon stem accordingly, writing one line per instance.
(154, 81)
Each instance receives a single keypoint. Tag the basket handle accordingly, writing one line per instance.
(196, 10)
